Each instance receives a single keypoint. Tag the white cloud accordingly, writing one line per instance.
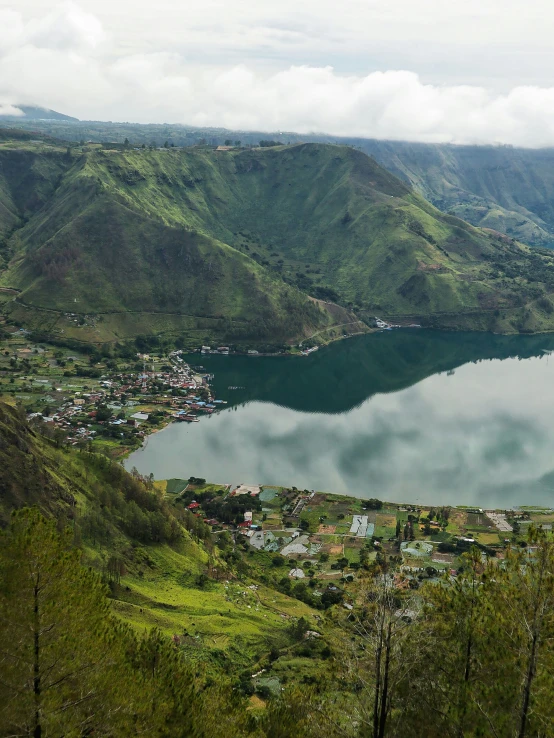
(8, 109)
(66, 60)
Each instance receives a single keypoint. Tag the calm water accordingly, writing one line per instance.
(404, 416)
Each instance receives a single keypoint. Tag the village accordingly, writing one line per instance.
(319, 542)
(108, 404)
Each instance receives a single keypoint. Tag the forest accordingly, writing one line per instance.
(467, 658)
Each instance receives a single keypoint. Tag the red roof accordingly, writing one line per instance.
(245, 524)
(193, 505)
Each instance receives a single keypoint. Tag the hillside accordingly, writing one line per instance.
(232, 245)
(126, 616)
(499, 187)
(166, 558)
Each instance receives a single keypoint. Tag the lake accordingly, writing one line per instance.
(406, 416)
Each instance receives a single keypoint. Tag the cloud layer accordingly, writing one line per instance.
(68, 61)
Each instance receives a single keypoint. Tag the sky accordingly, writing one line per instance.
(477, 71)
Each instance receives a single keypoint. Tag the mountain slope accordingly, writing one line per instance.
(231, 243)
(113, 514)
(34, 112)
(498, 187)
(93, 245)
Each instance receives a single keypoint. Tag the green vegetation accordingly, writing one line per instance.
(499, 187)
(122, 613)
(246, 244)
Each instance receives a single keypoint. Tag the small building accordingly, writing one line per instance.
(297, 574)
(194, 505)
(248, 516)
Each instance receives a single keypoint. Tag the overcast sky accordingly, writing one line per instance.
(471, 71)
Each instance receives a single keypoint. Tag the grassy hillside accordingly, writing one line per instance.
(162, 581)
(232, 244)
(497, 187)
(97, 246)
(501, 187)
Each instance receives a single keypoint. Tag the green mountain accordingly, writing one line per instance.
(245, 244)
(499, 187)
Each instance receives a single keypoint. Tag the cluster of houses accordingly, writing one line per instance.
(121, 392)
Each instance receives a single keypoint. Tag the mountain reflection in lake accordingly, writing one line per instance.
(440, 418)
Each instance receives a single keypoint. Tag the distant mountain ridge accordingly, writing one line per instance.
(33, 112)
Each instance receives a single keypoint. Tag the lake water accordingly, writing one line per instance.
(406, 416)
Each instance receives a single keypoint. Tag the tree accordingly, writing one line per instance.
(56, 647)
(493, 672)
(103, 413)
(382, 666)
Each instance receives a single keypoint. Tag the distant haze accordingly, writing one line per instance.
(421, 70)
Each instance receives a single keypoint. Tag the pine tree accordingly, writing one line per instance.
(59, 650)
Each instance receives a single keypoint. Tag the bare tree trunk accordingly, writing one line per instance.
(385, 692)
(37, 732)
(377, 685)
(529, 677)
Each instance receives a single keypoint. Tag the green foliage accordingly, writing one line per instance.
(69, 668)
(62, 657)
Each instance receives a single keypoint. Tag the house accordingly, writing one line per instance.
(194, 505)
(245, 524)
(248, 516)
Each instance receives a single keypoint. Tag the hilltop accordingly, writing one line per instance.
(505, 188)
(37, 113)
(245, 244)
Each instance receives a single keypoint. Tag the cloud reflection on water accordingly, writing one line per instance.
(482, 436)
